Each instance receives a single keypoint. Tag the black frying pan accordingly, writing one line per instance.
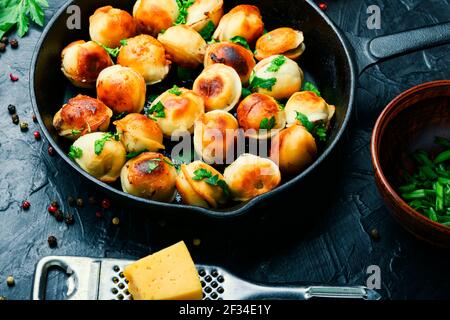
(331, 60)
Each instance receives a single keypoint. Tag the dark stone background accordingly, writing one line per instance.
(334, 249)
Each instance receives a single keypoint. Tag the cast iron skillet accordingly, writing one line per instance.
(328, 61)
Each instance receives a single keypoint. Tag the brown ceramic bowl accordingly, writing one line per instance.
(410, 122)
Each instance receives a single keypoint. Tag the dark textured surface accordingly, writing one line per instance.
(333, 247)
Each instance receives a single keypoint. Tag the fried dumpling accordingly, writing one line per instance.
(250, 176)
(203, 12)
(176, 111)
(99, 154)
(232, 55)
(109, 26)
(151, 176)
(201, 185)
(83, 61)
(283, 74)
(153, 16)
(220, 87)
(139, 133)
(311, 105)
(122, 89)
(147, 56)
(285, 41)
(82, 115)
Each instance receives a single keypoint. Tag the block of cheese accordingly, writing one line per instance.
(169, 274)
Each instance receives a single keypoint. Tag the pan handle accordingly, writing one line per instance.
(370, 51)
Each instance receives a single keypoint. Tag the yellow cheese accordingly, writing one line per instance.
(169, 274)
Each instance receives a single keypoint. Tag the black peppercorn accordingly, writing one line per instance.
(14, 43)
(11, 109)
(52, 242)
(71, 201)
(51, 151)
(4, 40)
(34, 118)
(80, 202)
(15, 119)
(24, 126)
(69, 219)
(2, 47)
(59, 216)
(10, 281)
(375, 234)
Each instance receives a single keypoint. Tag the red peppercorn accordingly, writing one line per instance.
(26, 205)
(13, 77)
(52, 209)
(37, 135)
(323, 6)
(51, 151)
(106, 204)
(99, 214)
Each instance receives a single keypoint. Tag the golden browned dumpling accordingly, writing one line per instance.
(122, 89)
(311, 105)
(258, 114)
(109, 25)
(201, 185)
(220, 87)
(202, 12)
(285, 74)
(83, 61)
(185, 46)
(293, 149)
(151, 176)
(232, 55)
(214, 136)
(285, 41)
(176, 111)
(250, 176)
(100, 155)
(153, 16)
(81, 115)
(147, 56)
(243, 21)
(138, 133)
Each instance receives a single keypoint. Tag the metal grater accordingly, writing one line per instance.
(103, 279)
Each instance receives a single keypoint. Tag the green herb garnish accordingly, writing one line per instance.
(213, 180)
(113, 52)
(19, 12)
(123, 42)
(256, 82)
(120, 115)
(183, 6)
(157, 111)
(245, 92)
(208, 31)
(76, 132)
(175, 90)
(268, 124)
(241, 41)
(153, 165)
(100, 143)
(276, 64)
(319, 129)
(309, 86)
(132, 155)
(75, 152)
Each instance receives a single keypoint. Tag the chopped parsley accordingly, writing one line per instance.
(123, 42)
(175, 90)
(153, 165)
(309, 86)
(240, 41)
(203, 174)
(318, 130)
(276, 63)
(183, 6)
(256, 82)
(156, 111)
(246, 92)
(132, 155)
(208, 31)
(76, 132)
(112, 52)
(100, 143)
(75, 152)
(268, 124)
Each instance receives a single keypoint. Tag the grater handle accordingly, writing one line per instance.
(80, 286)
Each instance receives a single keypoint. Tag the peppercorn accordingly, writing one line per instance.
(59, 216)
(13, 78)
(69, 219)
(15, 119)
(196, 242)
(4, 40)
(10, 281)
(37, 135)
(26, 205)
(12, 109)
(99, 214)
(23, 126)
(80, 202)
(323, 6)
(50, 151)
(106, 204)
(71, 201)
(115, 221)
(14, 43)
(2, 47)
(34, 118)
(92, 200)
(52, 209)
(52, 241)
(375, 234)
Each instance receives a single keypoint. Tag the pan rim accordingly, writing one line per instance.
(217, 214)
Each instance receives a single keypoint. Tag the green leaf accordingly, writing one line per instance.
(305, 121)
(276, 63)
(208, 31)
(76, 132)
(22, 24)
(201, 174)
(246, 92)
(36, 13)
(157, 110)
(175, 90)
(132, 155)
(241, 41)
(100, 143)
(309, 86)
(75, 152)
(123, 42)
(153, 165)
(183, 6)
(268, 124)
(112, 52)
(262, 83)
(318, 130)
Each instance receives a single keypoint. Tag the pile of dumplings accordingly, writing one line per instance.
(257, 91)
